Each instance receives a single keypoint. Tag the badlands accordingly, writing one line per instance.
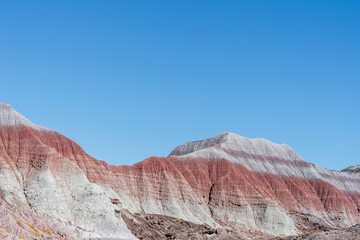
(226, 187)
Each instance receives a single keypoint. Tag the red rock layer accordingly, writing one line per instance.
(219, 184)
(222, 183)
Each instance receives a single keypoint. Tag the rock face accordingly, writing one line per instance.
(39, 172)
(281, 176)
(226, 181)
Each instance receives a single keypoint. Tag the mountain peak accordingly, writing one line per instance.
(5, 105)
(234, 142)
(354, 169)
(10, 117)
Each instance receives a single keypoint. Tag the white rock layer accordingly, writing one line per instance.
(10, 117)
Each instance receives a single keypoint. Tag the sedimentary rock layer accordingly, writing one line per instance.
(226, 181)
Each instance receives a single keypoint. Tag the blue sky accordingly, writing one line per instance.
(132, 79)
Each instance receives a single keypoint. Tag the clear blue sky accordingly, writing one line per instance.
(131, 79)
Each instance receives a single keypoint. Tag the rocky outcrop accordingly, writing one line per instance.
(153, 226)
(227, 182)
